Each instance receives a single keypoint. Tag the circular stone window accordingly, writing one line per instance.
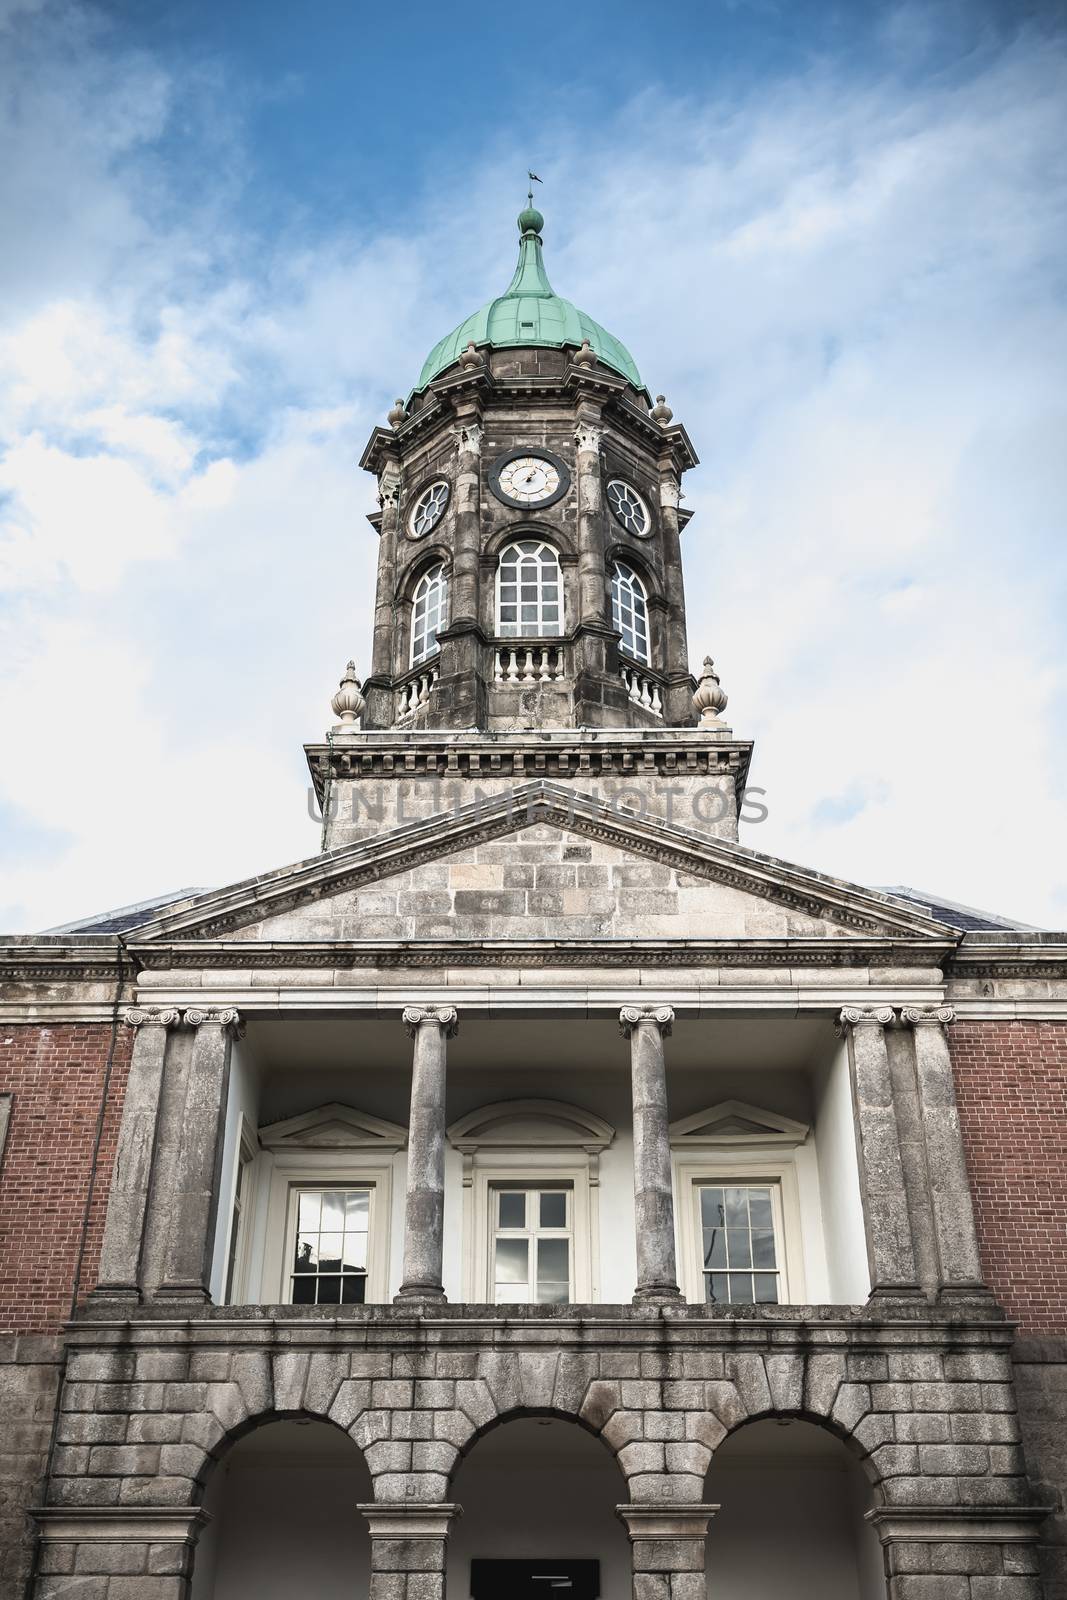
(429, 508)
(629, 508)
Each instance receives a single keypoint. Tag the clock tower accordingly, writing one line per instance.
(529, 615)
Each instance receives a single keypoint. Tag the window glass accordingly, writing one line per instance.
(428, 613)
(532, 1255)
(740, 1250)
(529, 592)
(629, 611)
(329, 1265)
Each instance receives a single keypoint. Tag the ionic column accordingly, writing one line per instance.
(657, 1273)
(409, 1548)
(667, 1549)
(466, 518)
(191, 1234)
(950, 1189)
(424, 1212)
(890, 1251)
(118, 1277)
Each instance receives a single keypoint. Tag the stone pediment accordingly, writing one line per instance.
(733, 1122)
(333, 1127)
(546, 863)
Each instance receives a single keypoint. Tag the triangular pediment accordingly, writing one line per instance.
(333, 1127)
(541, 862)
(734, 1122)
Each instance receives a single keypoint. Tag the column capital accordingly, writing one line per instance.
(864, 1016)
(469, 436)
(158, 1016)
(668, 1520)
(920, 1016)
(226, 1017)
(446, 1017)
(587, 437)
(406, 1519)
(630, 1016)
(670, 492)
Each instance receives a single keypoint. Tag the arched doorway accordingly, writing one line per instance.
(792, 1520)
(541, 1489)
(283, 1517)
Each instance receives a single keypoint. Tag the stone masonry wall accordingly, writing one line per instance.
(1011, 1087)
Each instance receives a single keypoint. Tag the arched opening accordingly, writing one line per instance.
(791, 1522)
(283, 1517)
(542, 1490)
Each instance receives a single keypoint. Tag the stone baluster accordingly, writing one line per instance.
(409, 1548)
(430, 1027)
(118, 1277)
(646, 1027)
(890, 1250)
(191, 1234)
(667, 1543)
(950, 1189)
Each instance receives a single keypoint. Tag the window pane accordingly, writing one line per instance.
(736, 1208)
(330, 1291)
(741, 1288)
(759, 1205)
(711, 1207)
(763, 1248)
(767, 1288)
(739, 1246)
(553, 1211)
(357, 1210)
(512, 1257)
(512, 1294)
(512, 1208)
(308, 1220)
(553, 1294)
(353, 1290)
(306, 1253)
(718, 1288)
(303, 1291)
(715, 1247)
(330, 1250)
(553, 1260)
(355, 1254)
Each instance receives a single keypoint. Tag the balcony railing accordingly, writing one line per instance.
(642, 687)
(526, 664)
(414, 692)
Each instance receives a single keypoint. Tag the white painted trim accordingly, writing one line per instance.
(294, 1169)
(547, 1167)
(766, 1166)
(246, 1142)
(333, 1127)
(770, 1128)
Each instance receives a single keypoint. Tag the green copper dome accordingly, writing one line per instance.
(529, 312)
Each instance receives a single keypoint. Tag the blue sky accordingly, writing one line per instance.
(833, 234)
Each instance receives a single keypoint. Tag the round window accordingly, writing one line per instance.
(428, 509)
(629, 508)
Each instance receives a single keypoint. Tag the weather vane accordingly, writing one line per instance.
(533, 179)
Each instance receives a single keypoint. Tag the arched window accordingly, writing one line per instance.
(629, 611)
(429, 611)
(529, 591)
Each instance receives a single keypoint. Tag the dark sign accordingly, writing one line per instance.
(535, 1580)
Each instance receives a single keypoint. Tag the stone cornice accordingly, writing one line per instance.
(1025, 955)
(808, 894)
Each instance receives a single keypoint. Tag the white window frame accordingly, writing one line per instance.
(420, 596)
(244, 1166)
(545, 1172)
(634, 586)
(533, 1234)
(325, 1169)
(542, 631)
(767, 1169)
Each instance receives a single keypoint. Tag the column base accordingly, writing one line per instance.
(966, 1291)
(659, 1294)
(415, 1294)
(116, 1294)
(193, 1294)
(896, 1291)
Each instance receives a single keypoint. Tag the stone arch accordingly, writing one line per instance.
(560, 538)
(422, 559)
(529, 1413)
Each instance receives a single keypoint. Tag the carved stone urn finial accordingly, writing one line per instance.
(661, 411)
(470, 357)
(397, 414)
(348, 703)
(709, 698)
(586, 356)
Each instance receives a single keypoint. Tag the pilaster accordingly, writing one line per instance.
(667, 1549)
(409, 1548)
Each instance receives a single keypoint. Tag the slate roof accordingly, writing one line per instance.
(967, 918)
(123, 918)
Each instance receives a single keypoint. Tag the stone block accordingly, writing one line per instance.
(640, 1457)
(433, 1455)
(602, 1398)
(154, 1427)
(454, 1426)
(852, 1402)
(981, 1427)
(412, 1425)
(209, 1366)
(162, 1366)
(931, 1586)
(432, 1393)
(723, 1401)
(750, 1380)
(369, 1427)
(251, 1371)
(411, 1486)
(72, 1588)
(126, 1460)
(388, 1455)
(182, 1460)
(1009, 1586)
(647, 1394)
(352, 1398)
(824, 1376)
(921, 1427)
(289, 1375)
(953, 1458)
(665, 1425)
(623, 1427)
(691, 1457)
(575, 1372)
(537, 1378)
(785, 1379)
(111, 1558)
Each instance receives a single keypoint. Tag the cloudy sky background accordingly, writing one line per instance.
(833, 236)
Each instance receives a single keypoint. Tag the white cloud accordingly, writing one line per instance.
(846, 289)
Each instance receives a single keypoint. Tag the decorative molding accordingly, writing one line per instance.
(446, 1017)
(400, 1519)
(734, 1122)
(587, 438)
(864, 1016)
(958, 1524)
(469, 438)
(389, 486)
(152, 1016)
(917, 1017)
(225, 1017)
(120, 1525)
(670, 494)
(505, 1125)
(333, 1127)
(630, 1016)
(668, 1520)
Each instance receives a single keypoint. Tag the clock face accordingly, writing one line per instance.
(429, 508)
(629, 508)
(529, 478)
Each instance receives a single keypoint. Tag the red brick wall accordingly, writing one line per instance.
(56, 1077)
(1011, 1083)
